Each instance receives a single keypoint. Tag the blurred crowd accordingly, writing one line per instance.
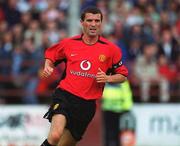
(147, 31)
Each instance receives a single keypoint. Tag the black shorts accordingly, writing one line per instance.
(78, 112)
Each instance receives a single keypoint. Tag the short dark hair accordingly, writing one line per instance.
(93, 10)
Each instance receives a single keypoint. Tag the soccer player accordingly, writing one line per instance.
(88, 58)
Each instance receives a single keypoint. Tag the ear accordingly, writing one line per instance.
(82, 25)
(81, 21)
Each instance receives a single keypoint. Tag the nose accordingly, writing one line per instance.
(93, 23)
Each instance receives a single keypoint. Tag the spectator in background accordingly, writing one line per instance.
(168, 46)
(12, 14)
(134, 49)
(168, 73)
(6, 51)
(62, 23)
(156, 31)
(18, 34)
(33, 57)
(52, 12)
(33, 31)
(146, 71)
(52, 31)
(177, 83)
(178, 25)
(17, 59)
(4, 69)
(26, 18)
(64, 5)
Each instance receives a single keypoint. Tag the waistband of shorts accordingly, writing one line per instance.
(77, 97)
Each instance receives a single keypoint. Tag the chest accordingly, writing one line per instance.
(95, 54)
(86, 57)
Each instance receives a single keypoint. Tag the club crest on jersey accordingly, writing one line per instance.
(56, 106)
(102, 58)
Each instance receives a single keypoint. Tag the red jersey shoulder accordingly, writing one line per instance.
(76, 37)
(106, 41)
(114, 48)
(68, 40)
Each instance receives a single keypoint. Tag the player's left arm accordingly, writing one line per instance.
(117, 73)
(102, 77)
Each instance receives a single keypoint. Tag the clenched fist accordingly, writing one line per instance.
(101, 76)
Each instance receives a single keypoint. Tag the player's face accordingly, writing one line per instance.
(92, 24)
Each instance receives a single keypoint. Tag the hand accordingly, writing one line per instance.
(48, 68)
(101, 76)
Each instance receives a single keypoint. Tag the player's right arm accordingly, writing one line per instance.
(52, 56)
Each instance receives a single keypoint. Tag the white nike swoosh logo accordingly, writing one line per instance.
(73, 54)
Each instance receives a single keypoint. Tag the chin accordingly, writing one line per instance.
(93, 34)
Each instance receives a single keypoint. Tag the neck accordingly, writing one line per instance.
(90, 40)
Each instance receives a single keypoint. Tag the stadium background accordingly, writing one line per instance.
(27, 27)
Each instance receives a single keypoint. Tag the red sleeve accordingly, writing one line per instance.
(117, 61)
(55, 52)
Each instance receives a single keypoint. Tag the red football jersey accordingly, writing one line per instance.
(82, 63)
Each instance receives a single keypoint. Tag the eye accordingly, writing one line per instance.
(89, 20)
(97, 20)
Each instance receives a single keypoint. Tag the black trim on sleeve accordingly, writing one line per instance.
(59, 61)
(64, 72)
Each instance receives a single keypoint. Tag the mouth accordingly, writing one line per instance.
(93, 30)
